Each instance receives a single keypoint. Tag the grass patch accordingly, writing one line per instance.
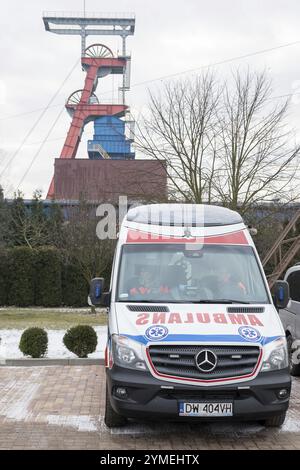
(54, 319)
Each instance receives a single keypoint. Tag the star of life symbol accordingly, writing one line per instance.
(251, 334)
(156, 332)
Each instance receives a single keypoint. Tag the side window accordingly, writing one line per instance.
(113, 266)
(294, 283)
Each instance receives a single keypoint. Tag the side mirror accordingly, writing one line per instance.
(281, 294)
(96, 291)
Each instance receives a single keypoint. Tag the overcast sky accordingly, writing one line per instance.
(171, 36)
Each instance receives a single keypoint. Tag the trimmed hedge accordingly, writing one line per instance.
(4, 270)
(38, 277)
(21, 277)
(48, 288)
(75, 288)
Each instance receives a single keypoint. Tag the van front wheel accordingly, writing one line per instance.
(111, 418)
(275, 421)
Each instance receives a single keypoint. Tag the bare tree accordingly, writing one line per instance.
(180, 129)
(256, 158)
(225, 143)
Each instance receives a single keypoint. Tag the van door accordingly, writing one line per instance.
(292, 313)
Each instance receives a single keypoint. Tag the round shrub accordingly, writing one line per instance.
(81, 340)
(34, 342)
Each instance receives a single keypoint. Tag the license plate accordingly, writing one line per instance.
(205, 409)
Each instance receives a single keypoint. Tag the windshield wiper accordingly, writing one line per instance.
(218, 301)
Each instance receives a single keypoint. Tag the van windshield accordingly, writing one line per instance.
(177, 273)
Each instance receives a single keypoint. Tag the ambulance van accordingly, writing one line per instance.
(193, 330)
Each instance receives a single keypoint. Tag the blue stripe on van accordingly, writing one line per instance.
(203, 338)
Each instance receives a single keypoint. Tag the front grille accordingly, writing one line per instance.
(148, 308)
(179, 361)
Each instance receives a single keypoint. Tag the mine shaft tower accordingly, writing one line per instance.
(97, 61)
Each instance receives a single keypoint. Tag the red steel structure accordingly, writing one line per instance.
(85, 110)
(97, 61)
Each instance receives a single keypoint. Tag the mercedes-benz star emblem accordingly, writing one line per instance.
(187, 233)
(206, 360)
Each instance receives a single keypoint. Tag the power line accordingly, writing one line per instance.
(49, 140)
(40, 148)
(134, 119)
(163, 77)
(55, 139)
(225, 61)
(232, 59)
(38, 119)
(13, 116)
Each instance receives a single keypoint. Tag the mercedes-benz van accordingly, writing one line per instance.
(290, 317)
(193, 330)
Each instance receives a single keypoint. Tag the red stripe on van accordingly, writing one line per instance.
(233, 238)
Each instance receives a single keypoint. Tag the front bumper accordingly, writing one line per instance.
(148, 397)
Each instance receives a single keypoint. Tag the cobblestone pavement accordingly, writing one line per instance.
(62, 407)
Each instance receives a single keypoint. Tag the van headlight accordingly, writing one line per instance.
(128, 353)
(275, 356)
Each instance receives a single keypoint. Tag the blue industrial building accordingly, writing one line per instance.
(110, 140)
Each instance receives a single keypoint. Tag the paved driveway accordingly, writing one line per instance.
(62, 408)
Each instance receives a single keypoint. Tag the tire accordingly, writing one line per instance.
(275, 421)
(294, 368)
(111, 418)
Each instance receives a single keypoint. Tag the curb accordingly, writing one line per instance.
(51, 362)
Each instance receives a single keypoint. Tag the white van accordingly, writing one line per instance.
(290, 317)
(193, 332)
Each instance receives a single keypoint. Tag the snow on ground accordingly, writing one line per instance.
(9, 344)
(84, 423)
(52, 309)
